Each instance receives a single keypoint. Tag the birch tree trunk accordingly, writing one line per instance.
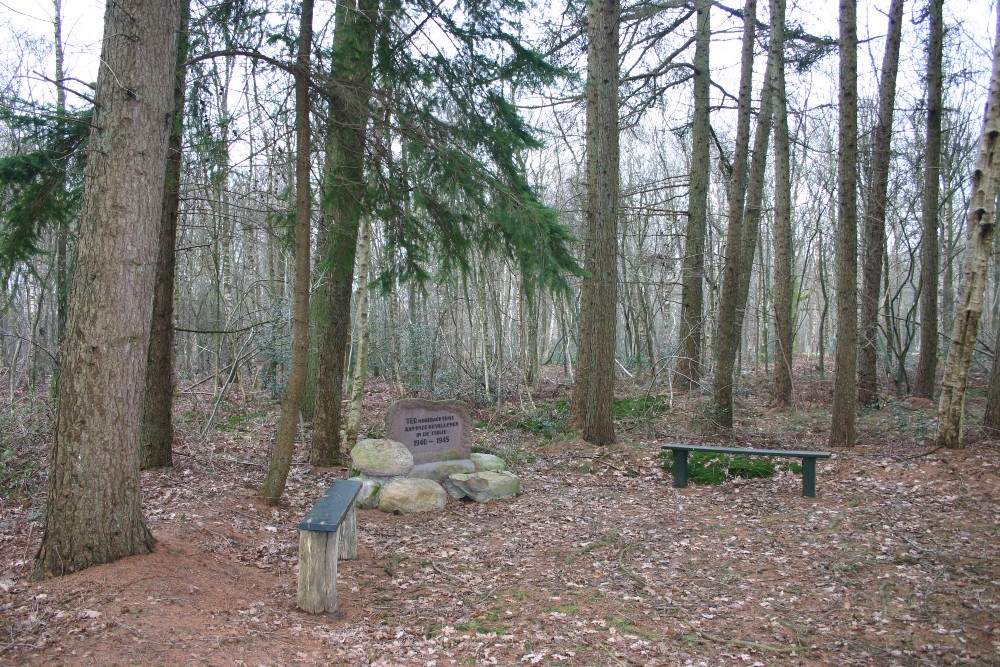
(874, 224)
(362, 336)
(979, 246)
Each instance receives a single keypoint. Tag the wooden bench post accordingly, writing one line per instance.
(328, 533)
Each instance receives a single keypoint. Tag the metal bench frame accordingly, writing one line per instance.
(808, 462)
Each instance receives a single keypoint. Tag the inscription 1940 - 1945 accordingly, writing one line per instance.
(431, 430)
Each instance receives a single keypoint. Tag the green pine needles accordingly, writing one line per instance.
(41, 182)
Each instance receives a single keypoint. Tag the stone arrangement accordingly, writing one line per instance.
(426, 458)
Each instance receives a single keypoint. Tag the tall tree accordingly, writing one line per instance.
(923, 381)
(727, 337)
(845, 364)
(342, 210)
(288, 424)
(783, 287)
(978, 248)
(158, 403)
(875, 207)
(62, 230)
(692, 293)
(595, 379)
(93, 513)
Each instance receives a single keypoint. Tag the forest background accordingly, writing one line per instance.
(450, 160)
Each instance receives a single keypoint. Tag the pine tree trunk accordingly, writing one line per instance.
(342, 204)
(783, 289)
(979, 247)
(158, 403)
(288, 422)
(727, 338)
(94, 509)
(874, 223)
(598, 322)
(692, 290)
(845, 366)
(923, 381)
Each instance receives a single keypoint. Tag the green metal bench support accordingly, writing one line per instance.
(808, 462)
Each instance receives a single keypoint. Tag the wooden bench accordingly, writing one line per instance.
(328, 533)
(808, 462)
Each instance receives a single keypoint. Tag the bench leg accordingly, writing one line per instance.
(317, 590)
(348, 534)
(680, 469)
(809, 478)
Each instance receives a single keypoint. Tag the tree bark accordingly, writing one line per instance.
(923, 381)
(599, 320)
(62, 231)
(727, 337)
(158, 403)
(874, 224)
(93, 513)
(979, 246)
(362, 336)
(692, 289)
(342, 204)
(288, 422)
(845, 364)
(783, 288)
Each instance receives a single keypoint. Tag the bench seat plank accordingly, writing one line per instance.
(328, 533)
(329, 511)
(803, 454)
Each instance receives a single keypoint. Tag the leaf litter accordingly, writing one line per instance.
(893, 563)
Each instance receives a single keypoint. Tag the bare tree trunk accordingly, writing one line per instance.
(783, 289)
(62, 231)
(845, 367)
(598, 321)
(874, 225)
(342, 202)
(94, 509)
(362, 336)
(288, 423)
(692, 291)
(755, 193)
(727, 338)
(979, 246)
(157, 410)
(923, 381)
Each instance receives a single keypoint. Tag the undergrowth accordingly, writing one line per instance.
(713, 468)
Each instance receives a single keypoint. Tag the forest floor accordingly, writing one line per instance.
(599, 561)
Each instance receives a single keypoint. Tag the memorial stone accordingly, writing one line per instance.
(431, 430)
